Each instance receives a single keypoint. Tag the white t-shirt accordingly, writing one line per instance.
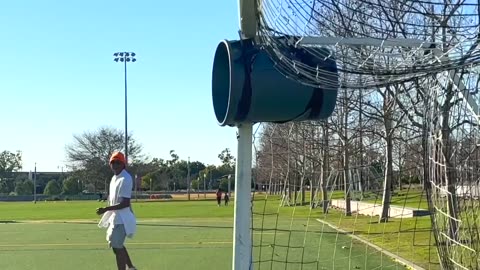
(121, 187)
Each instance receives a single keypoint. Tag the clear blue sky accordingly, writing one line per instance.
(58, 78)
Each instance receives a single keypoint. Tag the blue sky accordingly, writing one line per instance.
(58, 77)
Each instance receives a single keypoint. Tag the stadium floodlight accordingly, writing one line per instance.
(125, 57)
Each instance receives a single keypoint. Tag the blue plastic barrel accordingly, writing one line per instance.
(246, 87)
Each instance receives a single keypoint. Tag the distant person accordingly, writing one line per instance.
(118, 216)
(226, 198)
(102, 197)
(219, 197)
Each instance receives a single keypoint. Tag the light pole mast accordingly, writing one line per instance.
(188, 179)
(125, 57)
(35, 184)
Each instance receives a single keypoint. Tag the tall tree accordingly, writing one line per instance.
(72, 185)
(52, 188)
(91, 151)
(174, 157)
(226, 157)
(24, 187)
(9, 163)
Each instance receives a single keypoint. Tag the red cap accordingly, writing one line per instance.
(117, 156)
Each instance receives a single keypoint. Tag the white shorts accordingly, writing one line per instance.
(116, 236)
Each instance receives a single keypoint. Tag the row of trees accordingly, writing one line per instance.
(88, 158)
(90, 152)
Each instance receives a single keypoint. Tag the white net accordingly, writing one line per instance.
(454, 170)
(312, 213)
(375, 43)
(393, 175)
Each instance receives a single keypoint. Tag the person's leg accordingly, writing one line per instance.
(123, 259)
(120, 258)
(117, 242)
(127, 257)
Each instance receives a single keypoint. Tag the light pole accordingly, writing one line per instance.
(60, 167)
(136, 187)
(210, 182)
(204, 190)
(125, 57)
(188, 179)
(229, 190)
(35, 185)
(198, 187)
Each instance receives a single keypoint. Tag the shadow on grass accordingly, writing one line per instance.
(172, 200)
(7, 221)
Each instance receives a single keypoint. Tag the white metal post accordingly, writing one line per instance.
(248, 17)
(204, 188)
(136, 187)
(229, 185)
(242, 241)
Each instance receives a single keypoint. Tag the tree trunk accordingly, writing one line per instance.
(304, 169)
(346, 181)
(450, 169)
(324, 168)
(313, 190)
(295, 188)
(313, 181)
(426, 160)
(303, 191)
(346, 160)
(387, 184)
(360, 124)
(400, 163)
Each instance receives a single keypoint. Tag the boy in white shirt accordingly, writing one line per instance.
(118, 216)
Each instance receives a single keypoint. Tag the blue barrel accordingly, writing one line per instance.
(247, 87)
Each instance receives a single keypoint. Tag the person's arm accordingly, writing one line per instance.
(123, 204)
(125, 193)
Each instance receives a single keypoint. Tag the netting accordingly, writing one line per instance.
(454, 172)
(321, 187)
(375, 43)
(394, 172)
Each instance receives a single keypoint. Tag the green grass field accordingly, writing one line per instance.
(409, 238)
(184, 235)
